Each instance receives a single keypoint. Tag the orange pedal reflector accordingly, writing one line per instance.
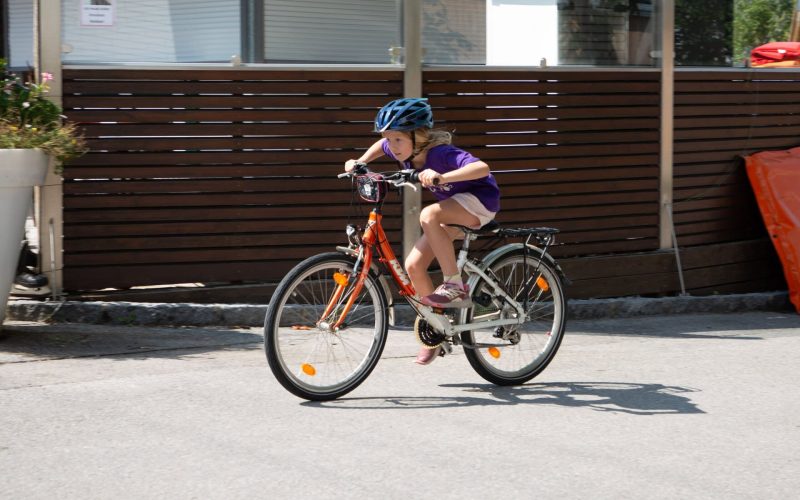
(542, 283)
(308, 369)
(494, 352)
(340, 279)
(301, 327)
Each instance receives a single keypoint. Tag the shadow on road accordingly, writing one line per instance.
(618, 397)
(41, 342)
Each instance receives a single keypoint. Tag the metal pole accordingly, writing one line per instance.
(36, 43)
(677, 254)
(252, 22)
(667, 121)
(48, 52)
(794, 30)
(412, 87)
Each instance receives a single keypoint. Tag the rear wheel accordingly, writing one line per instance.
(514, 354)
(309, 354)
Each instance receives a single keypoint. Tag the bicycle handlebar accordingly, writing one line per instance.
(408, 177)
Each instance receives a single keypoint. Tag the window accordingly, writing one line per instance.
(185, 31)
(704, 33)
(534, 32)
(477, 32)
(606, 32)
(154, 31)
(331, 31)
(20, 33)
(454, 31)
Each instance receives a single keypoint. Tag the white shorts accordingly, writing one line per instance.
(473, 205)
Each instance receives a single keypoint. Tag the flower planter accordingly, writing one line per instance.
(20, 170)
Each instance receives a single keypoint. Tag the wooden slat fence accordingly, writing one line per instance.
(719, 117)
(576, 150)
(229, 175)
(211, 175)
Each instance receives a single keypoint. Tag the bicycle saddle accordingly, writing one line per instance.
(490, 227)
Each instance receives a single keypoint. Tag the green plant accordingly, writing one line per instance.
(758, 22)
(28, 120)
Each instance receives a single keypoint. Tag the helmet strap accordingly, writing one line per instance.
(414, 151)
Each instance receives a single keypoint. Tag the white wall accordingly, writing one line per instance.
(521, 32)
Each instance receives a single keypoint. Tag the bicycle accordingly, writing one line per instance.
(327, 322)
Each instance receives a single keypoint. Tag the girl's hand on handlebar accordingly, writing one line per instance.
(429, 178)
(358, 166)
(349, 165)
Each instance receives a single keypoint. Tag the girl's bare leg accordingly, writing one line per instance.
(425, 250)
(440, 238)
(417, 263)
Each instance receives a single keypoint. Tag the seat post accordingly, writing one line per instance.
(464, 252)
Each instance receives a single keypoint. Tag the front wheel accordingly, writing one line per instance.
(514, 354)
(316, 350)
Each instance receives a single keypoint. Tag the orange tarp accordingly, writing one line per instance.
(775, 177)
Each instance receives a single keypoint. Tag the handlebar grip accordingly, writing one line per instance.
(414, 177)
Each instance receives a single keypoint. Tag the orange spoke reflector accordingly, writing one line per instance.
(494, 352)
(308, 369)
(542, 283)
(340, 279)
(301, 327)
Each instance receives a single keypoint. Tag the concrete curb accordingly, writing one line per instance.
(248, 315)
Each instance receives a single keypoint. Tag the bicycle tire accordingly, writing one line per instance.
(534, 343)
(309, 359)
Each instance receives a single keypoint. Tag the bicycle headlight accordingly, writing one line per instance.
(371, 187)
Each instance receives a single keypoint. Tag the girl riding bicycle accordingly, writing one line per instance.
(466, 191)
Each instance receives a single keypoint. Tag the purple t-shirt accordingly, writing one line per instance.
(446, 158)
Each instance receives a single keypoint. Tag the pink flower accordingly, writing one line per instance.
(46, 77)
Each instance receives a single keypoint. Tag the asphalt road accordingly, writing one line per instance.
(689, 406)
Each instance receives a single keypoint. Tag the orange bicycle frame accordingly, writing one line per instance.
(374, 237)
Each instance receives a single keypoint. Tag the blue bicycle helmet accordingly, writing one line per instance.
(404, 115)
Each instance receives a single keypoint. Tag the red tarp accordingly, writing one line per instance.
(775, 177)
(776, 54)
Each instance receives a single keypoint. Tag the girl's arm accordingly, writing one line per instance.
(470, 171)
(374, 151)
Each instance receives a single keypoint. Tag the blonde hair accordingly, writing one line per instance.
(426, 138)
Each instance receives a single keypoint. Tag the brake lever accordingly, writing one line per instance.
(405, 183)
(402, 179)
(413, 177)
